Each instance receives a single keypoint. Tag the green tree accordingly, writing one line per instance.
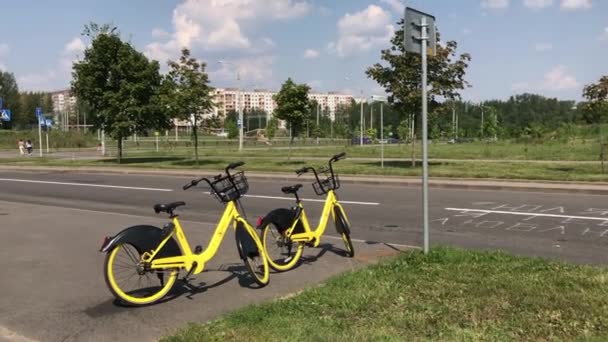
(187, 93)
(401, 74)
(293, 106)
(595, 110)
(9, 92)
(271, 128)
(121, 85)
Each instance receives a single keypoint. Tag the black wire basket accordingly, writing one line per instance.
(226, 190)
(326, 182)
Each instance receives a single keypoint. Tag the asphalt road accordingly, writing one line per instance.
(571, 227)
(53, 222)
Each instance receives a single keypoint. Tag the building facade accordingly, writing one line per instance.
(226, 100)
(63, 102)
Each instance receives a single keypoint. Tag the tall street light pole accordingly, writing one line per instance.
(382, 100)
(238, 102)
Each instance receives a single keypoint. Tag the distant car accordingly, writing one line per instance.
(392, 141)
(357, 141)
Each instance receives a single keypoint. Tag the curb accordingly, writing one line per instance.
(592, 188)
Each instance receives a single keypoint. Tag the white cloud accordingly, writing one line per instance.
(520, 87)
(575, 4)
(558, 79)
(396, 5)
(75, 45)
(538, 4)
(38, 81)
(160, 33)
(218, 24)
(495, 4)
(311, 54)
(540, 47)
(258, 69)
(362, 30)
(555, 80)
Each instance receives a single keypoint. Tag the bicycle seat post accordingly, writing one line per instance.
(297, 197)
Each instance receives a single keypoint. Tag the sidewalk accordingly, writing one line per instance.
(596, 188)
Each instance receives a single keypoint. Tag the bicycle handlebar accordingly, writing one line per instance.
(194, 182)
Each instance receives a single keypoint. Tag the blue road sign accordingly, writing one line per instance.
(48, 123)
(5, 114)
(39, 114)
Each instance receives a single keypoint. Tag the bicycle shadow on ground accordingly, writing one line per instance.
(188, 289)
(321, 250)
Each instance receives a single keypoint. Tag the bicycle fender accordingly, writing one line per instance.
(143, 238)
(282, 218)
(340, 222)
(244, 243)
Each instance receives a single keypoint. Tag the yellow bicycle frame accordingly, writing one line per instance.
(308, 235)
(187, 259)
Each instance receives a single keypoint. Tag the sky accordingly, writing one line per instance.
(549, 47)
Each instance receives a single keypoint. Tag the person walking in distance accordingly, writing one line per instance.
(21, 145)
(29, 147)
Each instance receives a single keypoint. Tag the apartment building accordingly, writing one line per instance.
(63, 102)
(226, 100)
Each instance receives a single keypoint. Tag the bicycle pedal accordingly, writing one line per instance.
(198, 249)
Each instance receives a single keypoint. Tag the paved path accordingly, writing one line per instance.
(53, 288)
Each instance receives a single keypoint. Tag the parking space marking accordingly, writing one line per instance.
(518, 213)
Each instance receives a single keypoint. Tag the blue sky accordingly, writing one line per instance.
(551, 47)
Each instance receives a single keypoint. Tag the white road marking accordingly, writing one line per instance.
(311, 200)
(528, 214)
(83, 184)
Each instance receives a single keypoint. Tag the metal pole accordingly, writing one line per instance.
(453, 122)
(482, 121)
(317, 123)
(361, 136)
(85, 121)
(425, 166)
(238, 78)
(40, 136)
(176, 133)
(156, 142)
(382, 135)
(47, 141)
(371, 116)
(103, 142)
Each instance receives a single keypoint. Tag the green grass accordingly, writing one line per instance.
(575, 150)
(465, 169)
(449, 295)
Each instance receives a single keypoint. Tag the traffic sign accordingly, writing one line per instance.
(5, 115)
(39, 114)
(414, 20)
(48, 123)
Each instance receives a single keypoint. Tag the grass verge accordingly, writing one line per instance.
(451, 294)
(557, 171)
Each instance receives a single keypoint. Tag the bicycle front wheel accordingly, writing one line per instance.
(343, 228)
(130, 281)
(252, 253)
(283, 253)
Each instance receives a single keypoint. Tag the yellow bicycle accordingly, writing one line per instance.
(143, 262)
(285, 232)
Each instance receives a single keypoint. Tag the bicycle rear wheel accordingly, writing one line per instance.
(283, 253)
(130, 281)
(252, 253)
